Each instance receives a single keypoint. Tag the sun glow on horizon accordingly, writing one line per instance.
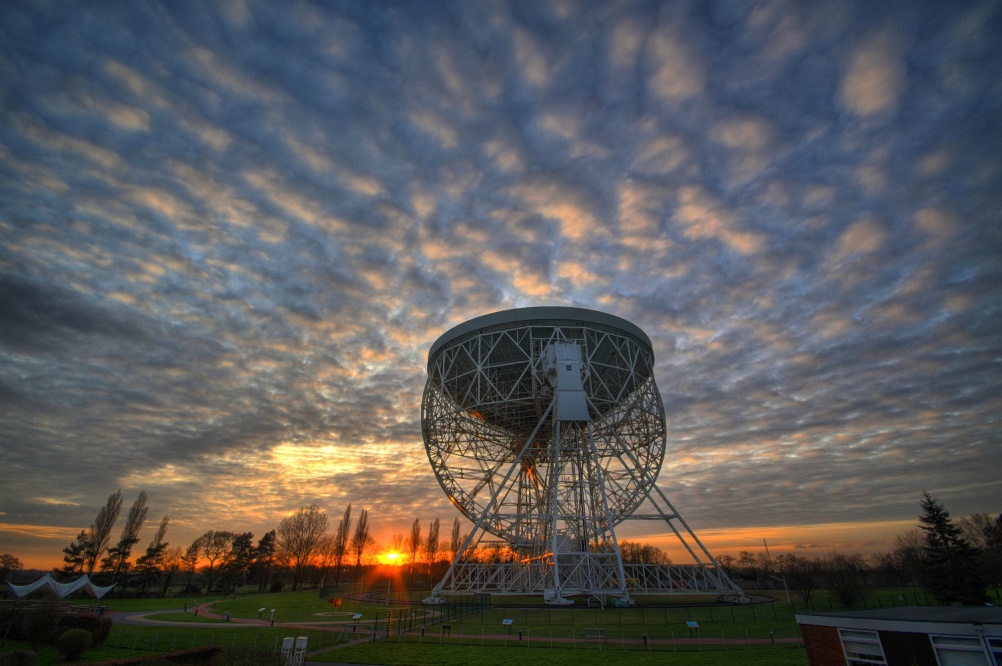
(391, 558)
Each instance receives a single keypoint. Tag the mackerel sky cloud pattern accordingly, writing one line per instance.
(230, 231)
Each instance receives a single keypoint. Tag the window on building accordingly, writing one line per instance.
(995, 647)
(960, 651)
(862, 648)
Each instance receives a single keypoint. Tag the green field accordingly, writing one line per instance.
(752, 634)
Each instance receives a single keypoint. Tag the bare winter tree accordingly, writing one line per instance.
(455, 541)
(846, 576)
(799, 573)
(642, 553)
(100, 531)
(340, 543)
(431, 544)
(972, 528)
(325, 558)
(414, 540)
(361, 539)
(214, 546)
(298, 538)
(9, 564)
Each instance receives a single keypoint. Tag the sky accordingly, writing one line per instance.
(231, 231)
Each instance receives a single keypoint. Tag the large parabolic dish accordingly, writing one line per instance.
(489, 385)
(545, 428)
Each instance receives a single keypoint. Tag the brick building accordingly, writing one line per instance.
(905, 636)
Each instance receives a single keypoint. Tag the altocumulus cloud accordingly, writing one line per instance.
(231, 231)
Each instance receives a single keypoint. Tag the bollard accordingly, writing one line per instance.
(519, 634)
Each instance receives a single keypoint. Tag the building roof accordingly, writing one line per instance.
(910, 618)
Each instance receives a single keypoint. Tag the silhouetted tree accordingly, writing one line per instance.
(340, 543)
(972, 528)
(727, 562)
(846, 576)
(992, 554)
(800, 574)
(239, 560)
(75, 554)
(952, 567)
(361, 540)
(414, 541)
(9, 564)
(431, 543)
(642, 553)
(189, 560)
(214, 545)
(118, 555)
(150, 564)
(264, 559)
(298, 538)
(455, 540)
(171, 562)
(749, 563)
(100, 531)
(907, 554)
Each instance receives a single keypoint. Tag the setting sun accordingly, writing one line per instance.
(391, 558)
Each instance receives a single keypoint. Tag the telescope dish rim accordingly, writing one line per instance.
(545, 315)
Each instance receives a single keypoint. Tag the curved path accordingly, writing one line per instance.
(149, 618)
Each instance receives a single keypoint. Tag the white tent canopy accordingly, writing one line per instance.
(61, 590)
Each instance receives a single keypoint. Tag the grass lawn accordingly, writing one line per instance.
(550, 635)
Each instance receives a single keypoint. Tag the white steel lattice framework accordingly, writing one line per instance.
(546, 429)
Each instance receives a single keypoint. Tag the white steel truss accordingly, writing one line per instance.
(547, 431)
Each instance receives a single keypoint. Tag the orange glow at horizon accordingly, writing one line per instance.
(391, 558)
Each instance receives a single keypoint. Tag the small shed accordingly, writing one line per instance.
(920, 635)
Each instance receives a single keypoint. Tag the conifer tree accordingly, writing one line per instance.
(951, 567)
(264, 558)
(75, 554)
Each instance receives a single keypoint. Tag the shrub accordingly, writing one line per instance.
(39, 624)
(276, 586)
(99, 627)
(73, 643)
(19, 658)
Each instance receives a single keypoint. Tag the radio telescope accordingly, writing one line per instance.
(545, 428)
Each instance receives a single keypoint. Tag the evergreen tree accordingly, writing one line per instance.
(150, 565)
(240, 559)
(951, 567)
(264, 558)
(76, 553)
(992, 555)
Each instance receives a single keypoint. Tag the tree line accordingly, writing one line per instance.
(221, 560)
(955, 561)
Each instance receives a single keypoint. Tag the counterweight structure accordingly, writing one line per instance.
(545, 428)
